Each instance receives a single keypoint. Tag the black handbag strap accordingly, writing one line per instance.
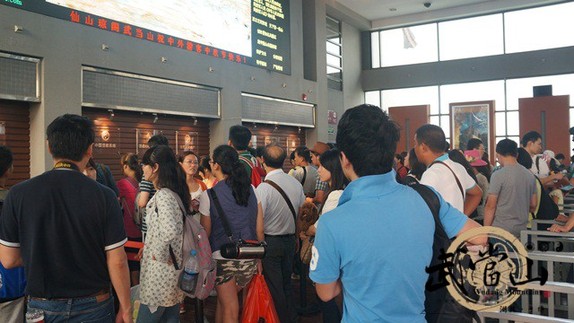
(457, 181)
(219, 209)
(285, 197)
(304, 176)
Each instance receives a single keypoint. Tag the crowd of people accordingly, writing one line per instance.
(62, 233)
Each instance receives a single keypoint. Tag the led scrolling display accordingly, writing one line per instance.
(253, 32)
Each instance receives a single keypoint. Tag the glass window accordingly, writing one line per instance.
(473, 37)
(411, 45)
(373, 97)
(445, 125)
(333, 49)
(500, 123)
(334, 55)
(375, 50)
(539, 28)
(522, 88)
(465, 92)
(410, 96)
(333, 61)
(512, 123)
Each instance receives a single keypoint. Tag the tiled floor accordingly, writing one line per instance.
(210, 302)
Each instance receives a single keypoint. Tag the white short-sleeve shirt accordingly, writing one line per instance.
(440, 178)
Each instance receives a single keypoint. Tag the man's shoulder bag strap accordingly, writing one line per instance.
(285, 197)
(304, 175)
(455, 177)
(537, 165)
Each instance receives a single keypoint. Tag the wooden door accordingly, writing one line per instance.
(15, 133)
(409, 118)
(549, 115)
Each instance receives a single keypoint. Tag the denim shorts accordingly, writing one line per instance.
(75, 310)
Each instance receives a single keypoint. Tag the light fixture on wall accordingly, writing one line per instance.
(194, 121)
(112, 114)
(105, 47)
(164, 59)
(254, 125)
(284, 85)
(155, 117)
(18, 29)
(211, 69)
(299, 130)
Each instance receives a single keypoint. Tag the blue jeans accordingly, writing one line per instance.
(75, 310)
(162, 314)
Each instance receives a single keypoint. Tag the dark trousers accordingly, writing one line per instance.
(330, 311)
(277, 270)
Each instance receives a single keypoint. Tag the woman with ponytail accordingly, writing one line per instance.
(128, 189)
(159, 294)
(330, 171)
(239, 203)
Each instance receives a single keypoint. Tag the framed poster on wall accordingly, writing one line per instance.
(186, 141)
(472, 120)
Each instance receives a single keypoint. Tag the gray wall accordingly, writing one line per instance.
(64, 47)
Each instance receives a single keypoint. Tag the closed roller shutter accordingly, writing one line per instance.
(128, 132)
(15, 133)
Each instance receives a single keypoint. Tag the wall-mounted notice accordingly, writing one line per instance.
(254, 32)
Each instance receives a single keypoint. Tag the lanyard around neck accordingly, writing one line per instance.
(66, 165)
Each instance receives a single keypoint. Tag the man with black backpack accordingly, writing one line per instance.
(374, 247)
(449, 178)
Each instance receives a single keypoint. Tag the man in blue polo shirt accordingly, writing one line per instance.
(375, 245)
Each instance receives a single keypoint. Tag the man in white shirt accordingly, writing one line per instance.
(532, 143)
(279, 227)
(449, 178)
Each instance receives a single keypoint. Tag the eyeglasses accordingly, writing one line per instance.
(192, 162)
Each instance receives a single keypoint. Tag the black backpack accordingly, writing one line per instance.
(547, 210)
(440, 306)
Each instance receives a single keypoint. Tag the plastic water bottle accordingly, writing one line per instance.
(190, 271)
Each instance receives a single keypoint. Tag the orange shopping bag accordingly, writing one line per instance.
(258, 306)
